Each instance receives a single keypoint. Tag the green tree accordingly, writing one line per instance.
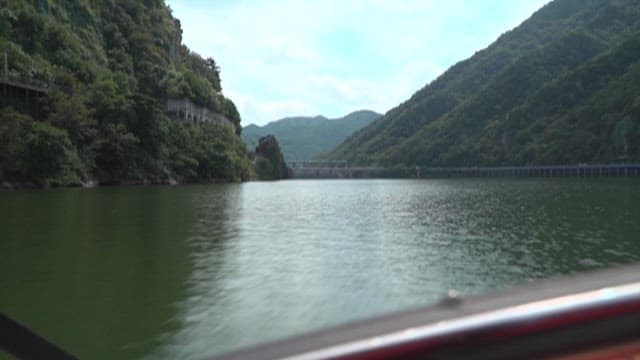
(622, 137)
(50, 157)
(110, 67)
(233, 115)
(115, 158)
(269, 162)
(71, 114)
(14, 129)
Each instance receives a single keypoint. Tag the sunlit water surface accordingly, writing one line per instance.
(186, 272)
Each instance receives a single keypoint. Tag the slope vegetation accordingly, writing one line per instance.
(109, 66)
(560, 88)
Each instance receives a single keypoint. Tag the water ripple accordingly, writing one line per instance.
(276, 259)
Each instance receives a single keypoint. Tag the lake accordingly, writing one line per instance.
(191, 271)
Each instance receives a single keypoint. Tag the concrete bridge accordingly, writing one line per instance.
(342, 170)
(24, 96)
(579, 170)
(184, 109)
(302, 164)
(27, 96)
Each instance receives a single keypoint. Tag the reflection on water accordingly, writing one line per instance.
(283, 258)
(97, 271)
(192, 271)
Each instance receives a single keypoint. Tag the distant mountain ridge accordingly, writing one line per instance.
(304, 138)
(563, 87)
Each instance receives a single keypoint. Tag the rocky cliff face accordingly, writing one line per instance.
(269, 162)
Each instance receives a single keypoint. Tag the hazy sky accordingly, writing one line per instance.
(282, 58)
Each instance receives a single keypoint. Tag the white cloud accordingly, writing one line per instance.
(287, 57)
(256, 107)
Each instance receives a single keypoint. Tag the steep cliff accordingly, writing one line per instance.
(269, 162)
(560, 88)
(109, 68)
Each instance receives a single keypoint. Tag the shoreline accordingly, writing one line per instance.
(92, 184)
(545, 171)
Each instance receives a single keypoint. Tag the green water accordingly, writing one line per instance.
(191, 271)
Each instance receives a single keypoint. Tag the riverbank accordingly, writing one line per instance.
(348, 172)
(358, 172)
(30, 185)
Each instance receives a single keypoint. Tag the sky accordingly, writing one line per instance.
(282, 58)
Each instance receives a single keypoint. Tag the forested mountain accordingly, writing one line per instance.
(304, 138)
(563, 87)
(109, 67)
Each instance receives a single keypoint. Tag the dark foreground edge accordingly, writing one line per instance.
(21, 342)
(587, 316)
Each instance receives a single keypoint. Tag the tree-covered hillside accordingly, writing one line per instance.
(109, 67)
(304, 138)
(268, 160)
(560, 88)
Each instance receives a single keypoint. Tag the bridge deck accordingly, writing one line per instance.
(26, 86)
(600, 170)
